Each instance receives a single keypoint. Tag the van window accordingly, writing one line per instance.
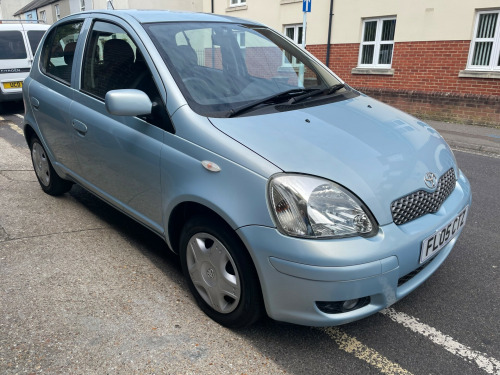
(12, 45)
(34, 37)
(58, 51)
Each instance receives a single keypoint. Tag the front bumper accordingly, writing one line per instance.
(296, 273)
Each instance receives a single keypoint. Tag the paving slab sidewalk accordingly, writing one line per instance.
(469, 137)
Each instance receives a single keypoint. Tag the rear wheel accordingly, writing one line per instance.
(49, 180)
(220, 272)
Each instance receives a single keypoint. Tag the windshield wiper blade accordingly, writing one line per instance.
(330, 90)
(236, 111)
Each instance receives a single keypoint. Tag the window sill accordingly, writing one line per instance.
(479, 74)
(374, 71)
(289, 1)
(236, 8)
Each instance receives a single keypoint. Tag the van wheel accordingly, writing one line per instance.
(49, 180)
(220, 272)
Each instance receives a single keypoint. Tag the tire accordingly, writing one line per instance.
(49, 180)
(220, 272)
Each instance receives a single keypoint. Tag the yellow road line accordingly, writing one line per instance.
(15, 128)
(351, 345)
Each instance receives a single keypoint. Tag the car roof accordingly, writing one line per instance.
(23, 26)
(153, 16)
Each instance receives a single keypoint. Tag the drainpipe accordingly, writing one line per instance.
(329, 34)
(212, 6)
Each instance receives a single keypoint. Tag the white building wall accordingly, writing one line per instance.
(421, 20)
(187, 5)
(417, 20)
(9, 7)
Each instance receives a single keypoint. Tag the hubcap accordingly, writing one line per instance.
(41, 163)
(213, 272)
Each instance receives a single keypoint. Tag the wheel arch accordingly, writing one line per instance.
(29, 132)
(179, 216)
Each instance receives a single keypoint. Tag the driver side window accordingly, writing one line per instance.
(112, 61)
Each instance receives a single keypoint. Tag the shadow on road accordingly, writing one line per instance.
(151, 245)
(296, 349)
(11, 108)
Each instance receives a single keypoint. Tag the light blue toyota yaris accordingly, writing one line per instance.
(282, 189)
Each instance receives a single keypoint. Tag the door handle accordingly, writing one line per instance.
(80, 127)
(35, 103)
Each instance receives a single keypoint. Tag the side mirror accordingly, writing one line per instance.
(127, 103)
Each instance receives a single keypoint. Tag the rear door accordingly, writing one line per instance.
(34, 37)
(50, 92)
(15, 60)
(119, 155)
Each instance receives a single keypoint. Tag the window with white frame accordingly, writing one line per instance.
(43, 16)
(235, 3)
(240, 38)
(294, 32)
(377, 43)
(82, 5)
(484, 53)
(58, 12)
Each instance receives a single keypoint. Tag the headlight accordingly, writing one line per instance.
(311, 207)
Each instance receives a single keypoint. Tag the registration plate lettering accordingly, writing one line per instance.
(13, 85)
(433, 244)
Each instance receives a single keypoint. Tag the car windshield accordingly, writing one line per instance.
(223, 67)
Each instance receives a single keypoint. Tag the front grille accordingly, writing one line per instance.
(422, 202)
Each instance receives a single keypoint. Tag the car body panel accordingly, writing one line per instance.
(358, 142)
(120, 156)
(300, 272)
(50, 102)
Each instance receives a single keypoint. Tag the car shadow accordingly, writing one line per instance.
(151, 245)
(295, 349)
(11, 108)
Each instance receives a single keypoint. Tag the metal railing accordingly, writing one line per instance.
(22, 21)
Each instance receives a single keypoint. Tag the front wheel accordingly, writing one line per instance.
(220, 272)
(49, 180)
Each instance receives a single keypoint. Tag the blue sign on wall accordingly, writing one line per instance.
(306, 6)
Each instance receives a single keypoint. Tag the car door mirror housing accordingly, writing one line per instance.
(128, 103)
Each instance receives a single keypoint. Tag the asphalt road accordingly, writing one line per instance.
(85, 290)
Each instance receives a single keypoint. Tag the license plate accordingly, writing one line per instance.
(432, 244)
(13, 85)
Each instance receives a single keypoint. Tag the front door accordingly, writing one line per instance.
(119, 155)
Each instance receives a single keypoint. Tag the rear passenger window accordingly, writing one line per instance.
(12, 45)
(58, 51)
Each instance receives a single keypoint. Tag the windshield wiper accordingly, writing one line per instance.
(273, 98)
(330, 90)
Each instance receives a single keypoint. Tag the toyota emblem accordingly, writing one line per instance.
(430, 180)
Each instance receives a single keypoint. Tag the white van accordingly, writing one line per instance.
(18, 44)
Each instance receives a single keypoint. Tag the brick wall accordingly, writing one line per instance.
(425, 81)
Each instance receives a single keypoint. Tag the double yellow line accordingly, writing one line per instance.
(13, 126)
